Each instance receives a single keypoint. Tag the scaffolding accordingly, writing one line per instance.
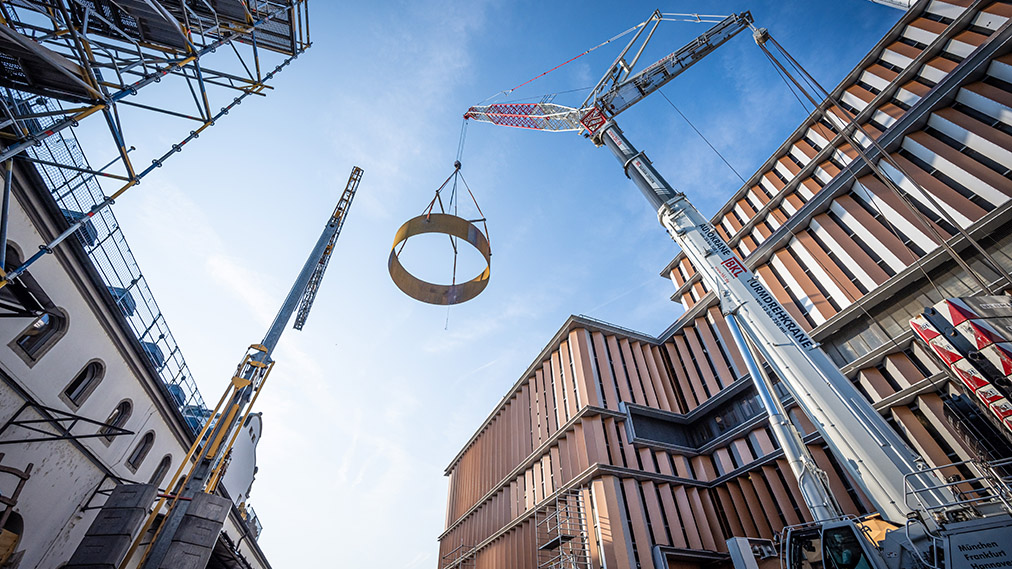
(181, 63)
(562, 537)
(460, 557)
(76, 191)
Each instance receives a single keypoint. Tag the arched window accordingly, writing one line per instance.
(83, 383)
(141, 451)
(35, 340)
(117, 418)
(163, 468)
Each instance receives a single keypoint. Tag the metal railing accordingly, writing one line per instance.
(62, 166)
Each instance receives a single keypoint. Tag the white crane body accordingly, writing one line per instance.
(878, 460)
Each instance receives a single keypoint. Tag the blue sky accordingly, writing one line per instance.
(369, 403)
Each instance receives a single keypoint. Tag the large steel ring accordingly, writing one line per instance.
(435, 293)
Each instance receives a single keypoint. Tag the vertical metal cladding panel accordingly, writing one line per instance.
(765, 445)
(727, 505)
(527, 411)
(706, 499)
(683, 382)
(724, 338)
(653, 513)
(757, 480)
(554, 367)
(874, 192)
(582, 460)
(552, 405)
(759, 514)
(980, 136)
(745, 208)
(904, 370)
(743, 451)
(933, 409)
(557, 464)
(724, 459)
(586, 373)
(539, 408)
(921, 439)
(703, 467)
(566, 452)
(835, 483)
(962, 208)
(539, 492)
(706, 532)
(793, 201)
(961, 167)
(621, 379)
(713, 349)
(647, 460)
(548, 472)
(604, 523)
(658, 378)
(742, 509)
(678, 538)
(611, 435)
(530, 497)
(643, 373)
(773, 285)
(629, 451)
(780, 492)
(695, 381)
(837, 278)
(608, 383)
(628, 364)
(883, 241)
(593, 432)
(874, 384)
(792, 487)
(570, 371)
(822, 310)
(848, 251)
(637, 519)
(690, 523)
(590, 513)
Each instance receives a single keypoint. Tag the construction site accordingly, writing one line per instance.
(828, 379)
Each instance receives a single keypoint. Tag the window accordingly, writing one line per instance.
(141, 451)
(83, 383)
(161, 470)
(117, 418)
(35, 340)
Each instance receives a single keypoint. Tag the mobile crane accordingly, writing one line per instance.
(891, 475)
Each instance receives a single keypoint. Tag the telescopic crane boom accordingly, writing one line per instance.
(219, 432)
(875, 456)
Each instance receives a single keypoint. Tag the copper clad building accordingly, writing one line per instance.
(622, 450)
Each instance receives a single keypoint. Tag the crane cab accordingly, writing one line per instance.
(832, 545)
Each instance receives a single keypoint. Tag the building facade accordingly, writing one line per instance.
(623, 450)
(84, 398)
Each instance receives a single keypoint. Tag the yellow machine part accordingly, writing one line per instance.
(875, 528)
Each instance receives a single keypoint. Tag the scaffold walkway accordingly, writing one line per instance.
(188, 62)
(76, 191)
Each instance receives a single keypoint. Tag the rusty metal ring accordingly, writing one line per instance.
(435, 293)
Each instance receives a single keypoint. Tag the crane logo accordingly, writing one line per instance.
(733, 266)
